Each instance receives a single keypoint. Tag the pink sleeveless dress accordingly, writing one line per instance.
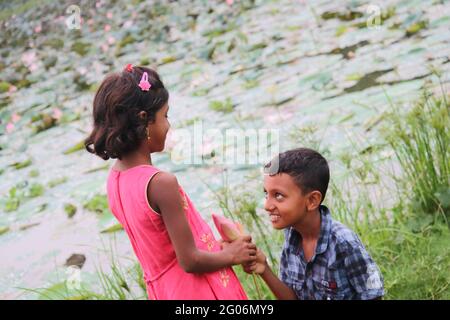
(163, 275)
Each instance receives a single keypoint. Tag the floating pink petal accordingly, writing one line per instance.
(111, 40)
(15, 117)
(57, 114)
(9, 127)
(107, 28)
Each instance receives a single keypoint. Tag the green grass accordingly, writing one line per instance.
(414, 265)
(421, 139)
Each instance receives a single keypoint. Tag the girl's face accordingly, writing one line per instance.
(158, 130)
(285, 202)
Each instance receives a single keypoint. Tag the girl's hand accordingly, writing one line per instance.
(258, 266)
(241, 250)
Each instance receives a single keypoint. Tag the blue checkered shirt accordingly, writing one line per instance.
(341, 268)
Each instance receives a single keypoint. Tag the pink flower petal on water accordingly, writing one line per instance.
(15, 117)
(111, 40)
(107, 28)
(9, 127)
(57, 113)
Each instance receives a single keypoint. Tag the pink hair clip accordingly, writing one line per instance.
(144, 84)
(129, 67)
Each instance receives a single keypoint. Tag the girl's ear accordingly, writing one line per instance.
(144, 116)
(313, 200)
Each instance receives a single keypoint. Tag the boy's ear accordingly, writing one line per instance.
(313, 200)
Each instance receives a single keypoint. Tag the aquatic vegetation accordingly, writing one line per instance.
(4, 86)
(81, 48)
(415, 28)
(57, 181)
(33, 173)
(35, 190)
(77, 147)
(97, 204)
(70, 210)
(222, 106)
(3, 230)
(42, 122)
(22, 164)
(114, 228)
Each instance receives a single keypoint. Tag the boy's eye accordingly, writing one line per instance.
(279, 196)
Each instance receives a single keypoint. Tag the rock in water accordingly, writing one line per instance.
(76, 260)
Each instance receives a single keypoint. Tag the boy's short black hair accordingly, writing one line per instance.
(307, 167)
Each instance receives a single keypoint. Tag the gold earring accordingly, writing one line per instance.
(148, 134)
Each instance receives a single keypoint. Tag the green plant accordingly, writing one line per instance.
(420, 139)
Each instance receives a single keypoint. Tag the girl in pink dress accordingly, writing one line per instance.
(178, 253)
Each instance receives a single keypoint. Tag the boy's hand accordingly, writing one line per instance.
(258, 266)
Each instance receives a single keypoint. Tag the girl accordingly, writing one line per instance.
(177, 251)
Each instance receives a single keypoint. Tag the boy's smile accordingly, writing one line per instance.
(285, 201)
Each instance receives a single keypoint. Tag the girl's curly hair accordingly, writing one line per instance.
(118, 128)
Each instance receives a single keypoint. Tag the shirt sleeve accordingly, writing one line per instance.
(363, 274)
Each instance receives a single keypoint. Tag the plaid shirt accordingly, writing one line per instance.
(341, 268)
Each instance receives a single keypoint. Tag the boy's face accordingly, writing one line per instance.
(285, 201)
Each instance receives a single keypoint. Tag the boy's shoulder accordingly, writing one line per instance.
(343, 236)
(346, 244)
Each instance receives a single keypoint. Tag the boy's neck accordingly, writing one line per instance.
(309, 227)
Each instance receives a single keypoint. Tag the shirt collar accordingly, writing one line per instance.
(325, 230)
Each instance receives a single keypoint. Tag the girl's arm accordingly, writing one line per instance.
(168, 200)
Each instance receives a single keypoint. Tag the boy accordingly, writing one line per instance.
(321, 258)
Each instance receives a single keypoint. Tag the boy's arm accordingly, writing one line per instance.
(278, 287)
